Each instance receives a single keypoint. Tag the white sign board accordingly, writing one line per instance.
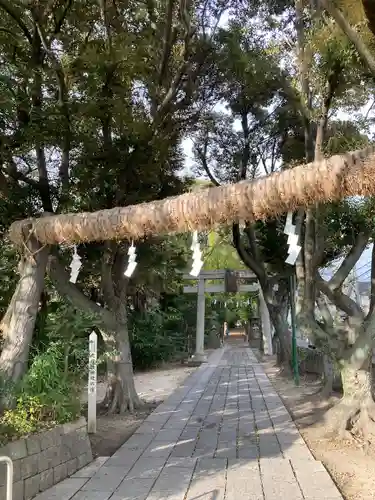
(92, 382)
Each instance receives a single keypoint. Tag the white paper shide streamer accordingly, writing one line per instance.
(197, 256)
(132, 264)
(294, 249)
(75, 266)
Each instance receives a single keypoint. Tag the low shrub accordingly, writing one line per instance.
(156, 336)
(25, 418)
(47, 395)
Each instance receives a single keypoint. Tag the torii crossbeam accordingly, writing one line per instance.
(331, 179)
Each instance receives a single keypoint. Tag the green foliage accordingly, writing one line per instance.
(48, 395)
(230, 308)
(219, 252)
(168, 334)
(50, 391)
(62, 331)
(272, 243)
(25, 418)
(157, 336)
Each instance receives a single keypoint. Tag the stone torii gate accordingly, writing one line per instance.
(201, 288)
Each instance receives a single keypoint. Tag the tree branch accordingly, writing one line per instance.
(251, 236)
(161, 110)
(339, 299)
(63, 105)
(248, 260)
(294, 97)
(369, 8)
(203, 158)
(306, 288)
(119, 280)
(353, 36)
(332, 84)
(303, 73)
(106, 274)
(15, 12)
(308, 253)
(246, 149)
(4, 187)
(249, 228)
(349, 262)
(16, 175)
(324, 310)
(59, 22)
(66, 289)
(168, 40)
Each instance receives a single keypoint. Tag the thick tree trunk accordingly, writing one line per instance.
(354, 415)
(328, 376)
(282, 342)
(121, 394)
(17, 326)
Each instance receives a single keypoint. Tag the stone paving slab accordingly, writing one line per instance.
(243, 480)
(223, 435)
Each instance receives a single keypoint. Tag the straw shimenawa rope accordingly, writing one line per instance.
(331, 179)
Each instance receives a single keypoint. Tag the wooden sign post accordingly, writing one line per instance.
(92, 382)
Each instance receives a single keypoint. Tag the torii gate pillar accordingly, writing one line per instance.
(200, 290)
(266, 324)
(201, 306)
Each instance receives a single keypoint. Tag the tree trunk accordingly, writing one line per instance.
(282, 342)
(121, 394)
(282, 337)
(328, 376)
(18, 323)
(354, 415)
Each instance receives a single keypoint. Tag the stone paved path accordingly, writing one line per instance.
(223, 435)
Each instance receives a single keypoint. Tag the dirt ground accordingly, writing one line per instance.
(153, 387)
(352, 469)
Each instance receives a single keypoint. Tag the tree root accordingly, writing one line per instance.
(351, 420)
(120, 399)
(284, 370)
(326, 390)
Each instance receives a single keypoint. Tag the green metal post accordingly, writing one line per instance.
(292, 289)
